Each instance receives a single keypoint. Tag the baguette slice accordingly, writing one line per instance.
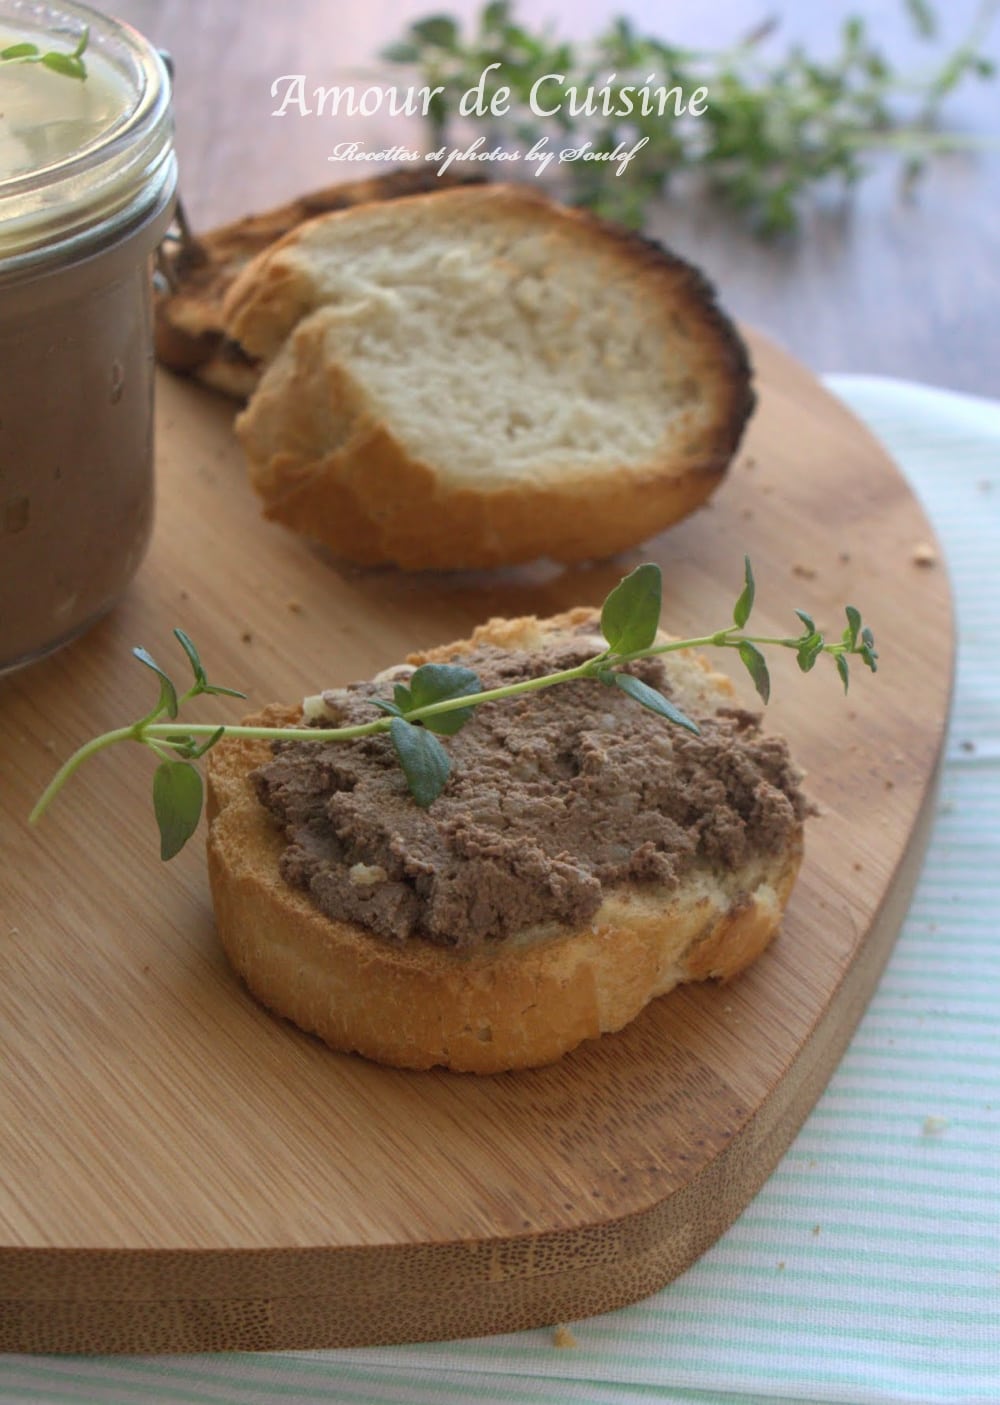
(196, 273)
(518, 1004)
(481, 376)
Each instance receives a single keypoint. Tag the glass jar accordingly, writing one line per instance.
(87, 184)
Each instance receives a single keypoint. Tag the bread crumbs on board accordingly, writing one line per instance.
(563, 1338)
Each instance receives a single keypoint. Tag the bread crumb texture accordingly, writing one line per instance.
(443, 369)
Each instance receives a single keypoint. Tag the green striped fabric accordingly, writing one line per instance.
(867, 1271)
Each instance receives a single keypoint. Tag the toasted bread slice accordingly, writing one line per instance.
(196, 274)
(514, 1004)
(482, 376)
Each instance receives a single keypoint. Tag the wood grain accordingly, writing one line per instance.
(183, 1172)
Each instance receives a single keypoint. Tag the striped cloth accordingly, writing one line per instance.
(867, 1271)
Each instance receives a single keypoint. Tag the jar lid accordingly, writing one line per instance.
(80, 160)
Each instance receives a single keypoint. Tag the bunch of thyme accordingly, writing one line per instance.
(440, 699)
(773, 128)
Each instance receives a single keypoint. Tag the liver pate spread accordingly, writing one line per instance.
(553, 798)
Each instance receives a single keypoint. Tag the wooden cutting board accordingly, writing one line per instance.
(181, 1171)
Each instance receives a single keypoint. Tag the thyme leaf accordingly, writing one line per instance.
(70, 65)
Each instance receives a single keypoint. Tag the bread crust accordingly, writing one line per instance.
(521, 1004)
(325, 465)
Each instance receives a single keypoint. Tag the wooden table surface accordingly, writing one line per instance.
(878, 284)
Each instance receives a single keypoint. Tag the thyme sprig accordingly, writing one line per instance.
(774, 128)
(70, 65)
(440, 699)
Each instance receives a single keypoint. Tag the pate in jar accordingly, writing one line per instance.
(87, 185)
